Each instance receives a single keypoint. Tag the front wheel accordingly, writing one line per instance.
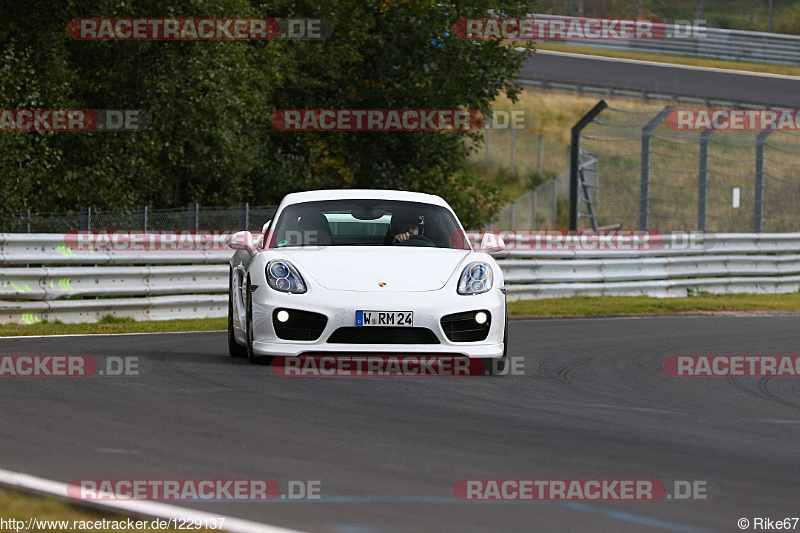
(497, 366)
(251, 356)
(234, 348)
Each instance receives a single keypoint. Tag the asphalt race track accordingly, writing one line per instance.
(594, 403)
(594, 71)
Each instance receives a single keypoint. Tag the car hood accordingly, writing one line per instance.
(364, 268)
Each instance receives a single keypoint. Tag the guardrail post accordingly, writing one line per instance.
(702, 191)
(574, 161)
(758, 209)
(644, 189)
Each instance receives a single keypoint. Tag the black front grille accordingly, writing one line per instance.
(462, 327)
(382, 335)
(301, 326)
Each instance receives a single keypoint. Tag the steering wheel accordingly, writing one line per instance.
(418, 240)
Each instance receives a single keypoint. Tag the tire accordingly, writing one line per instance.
(497, 366)
(234, 348)
(251, 356)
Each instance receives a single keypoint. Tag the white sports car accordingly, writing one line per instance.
(364, 271)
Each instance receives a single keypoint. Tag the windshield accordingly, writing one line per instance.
(367, 223)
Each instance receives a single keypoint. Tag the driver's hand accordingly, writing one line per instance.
(401, 237)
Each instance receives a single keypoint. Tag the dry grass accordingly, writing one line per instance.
(555, 112)
(20, 506)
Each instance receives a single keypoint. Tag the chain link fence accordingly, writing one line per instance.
(640, 174)
(522, 153)
(528, 159)
(544, 207)
(192, 217)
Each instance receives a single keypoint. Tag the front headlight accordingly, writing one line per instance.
(284, 277)
(476, 278)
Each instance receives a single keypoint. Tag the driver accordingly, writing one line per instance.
(404, 232)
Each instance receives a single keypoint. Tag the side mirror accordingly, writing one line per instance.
(492, 243)
(241, 240)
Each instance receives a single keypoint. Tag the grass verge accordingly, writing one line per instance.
(578, 306)
(114, 325)
(588, 306)
(21, 506)
(666, 58)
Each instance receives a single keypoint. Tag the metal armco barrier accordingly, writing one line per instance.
(711, 43)
(84, 286)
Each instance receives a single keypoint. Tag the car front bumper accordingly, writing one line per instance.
(340, 309)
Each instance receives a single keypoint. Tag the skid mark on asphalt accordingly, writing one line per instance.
(763, 392)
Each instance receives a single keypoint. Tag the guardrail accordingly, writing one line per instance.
(123, 284)
(711, 43)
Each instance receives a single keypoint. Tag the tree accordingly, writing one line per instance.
(210, 139)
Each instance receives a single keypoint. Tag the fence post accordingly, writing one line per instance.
(486, 145)
(513, 217)
(84, 221)
(513, 147)
(141, 212)
(771, 15)
(702, 191)
(758, 209)
(242, 217)
(574, 161)
(194, 216)
(555, 202)
(541, 155)
(644, 188)
(535, 200)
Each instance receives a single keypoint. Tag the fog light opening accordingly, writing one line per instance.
(480, 317)
(283, 316)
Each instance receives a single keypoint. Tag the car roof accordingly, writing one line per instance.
(362, 194)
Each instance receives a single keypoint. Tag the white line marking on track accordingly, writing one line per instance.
(16, 480)
(771, 421)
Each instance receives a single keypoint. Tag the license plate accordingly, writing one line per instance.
(385, 318)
